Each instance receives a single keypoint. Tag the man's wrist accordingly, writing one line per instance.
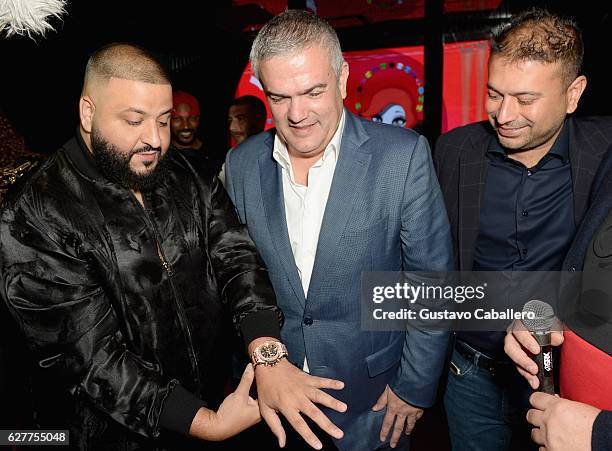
(261, 370)
(204, 425)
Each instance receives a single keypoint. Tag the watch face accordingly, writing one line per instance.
(269, 351)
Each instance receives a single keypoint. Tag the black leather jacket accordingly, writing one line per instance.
(121, 304)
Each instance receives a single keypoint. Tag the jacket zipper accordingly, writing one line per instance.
(182, 315)
(164, 263)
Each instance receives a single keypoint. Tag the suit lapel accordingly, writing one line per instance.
(472, 177)
(349, 180)
(274, 208)
(597, 212)
(584, 161)
(575, 163)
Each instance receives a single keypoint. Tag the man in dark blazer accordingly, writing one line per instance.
(516, 188)
(582, 415)
(327, 196)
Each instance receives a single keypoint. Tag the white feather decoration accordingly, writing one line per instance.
(21, 17)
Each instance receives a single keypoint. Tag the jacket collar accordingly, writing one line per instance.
(559, 149)
(348, 182)
(82, 159)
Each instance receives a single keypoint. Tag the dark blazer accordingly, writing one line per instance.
(600, 205)
(599, 209)
(579, 311)
(461, 165)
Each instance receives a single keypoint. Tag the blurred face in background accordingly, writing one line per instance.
(184, 125)
(243, 122)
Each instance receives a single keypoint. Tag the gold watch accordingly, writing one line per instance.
(269, 353)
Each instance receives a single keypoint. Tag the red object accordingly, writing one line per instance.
(273, 7)
(342, 13)
(249, 85)
(585, 372)
(381, 77)
(347, 13)
(459, 6)
(183, 97)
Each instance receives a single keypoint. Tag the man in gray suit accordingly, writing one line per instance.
(327, 196)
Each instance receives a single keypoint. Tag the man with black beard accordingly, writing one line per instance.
(118, 258)
(116, 167)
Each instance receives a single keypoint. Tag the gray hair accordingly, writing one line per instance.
(295, 29)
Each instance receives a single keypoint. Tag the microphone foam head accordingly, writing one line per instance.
(542, 318)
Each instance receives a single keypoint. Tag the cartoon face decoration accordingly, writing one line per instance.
(386, 88)
(392, 114)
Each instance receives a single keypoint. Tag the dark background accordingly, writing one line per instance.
(207, 49)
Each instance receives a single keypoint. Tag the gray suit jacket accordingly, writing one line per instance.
(385, 212)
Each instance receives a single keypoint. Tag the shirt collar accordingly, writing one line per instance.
(559, 149)
(561, 145)
(281, 155)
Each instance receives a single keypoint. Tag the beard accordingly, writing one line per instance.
(115, 166)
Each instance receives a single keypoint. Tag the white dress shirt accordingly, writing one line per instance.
(305, 205)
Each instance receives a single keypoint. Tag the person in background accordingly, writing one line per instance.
(516, 189)
(246, 117)
(16, 161)
(35, 20)
(185, 122)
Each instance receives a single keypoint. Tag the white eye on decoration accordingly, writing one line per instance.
(399, 121)
(393, 114)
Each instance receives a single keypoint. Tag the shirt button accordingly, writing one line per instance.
(308, 321)
(524, 252)
(529, 173)
(525, 213)
(572, 268)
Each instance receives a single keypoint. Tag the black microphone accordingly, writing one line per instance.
(538, 318)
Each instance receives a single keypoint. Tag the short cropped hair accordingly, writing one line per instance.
(538, 35)
(125, 61)
(293, 30)
(255, 104)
